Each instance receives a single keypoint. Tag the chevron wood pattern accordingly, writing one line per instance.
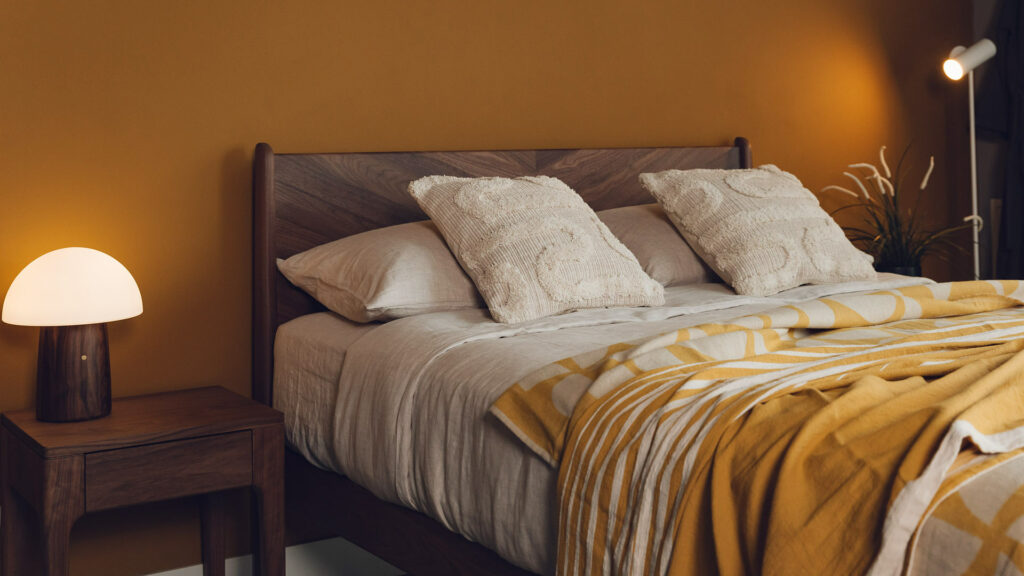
(303, 200)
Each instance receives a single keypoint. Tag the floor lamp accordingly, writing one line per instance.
(963, 61)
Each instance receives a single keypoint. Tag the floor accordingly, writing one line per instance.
(333, 557)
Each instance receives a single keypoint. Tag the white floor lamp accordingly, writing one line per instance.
(963, 61)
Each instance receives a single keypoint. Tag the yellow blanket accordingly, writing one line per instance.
(807, 440)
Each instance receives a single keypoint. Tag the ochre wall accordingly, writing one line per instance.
(128, 126)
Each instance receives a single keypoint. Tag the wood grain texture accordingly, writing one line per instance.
(212, 512)
(268, 500)
(24, 471)
(145, 420)
(19, 550)
(322, 504)
(73, 373)
(264, 272)
(42, 500)
(63, 504)
(156, 447)
(304, 200)
(168, 470)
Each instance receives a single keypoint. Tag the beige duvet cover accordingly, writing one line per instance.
(402, 408)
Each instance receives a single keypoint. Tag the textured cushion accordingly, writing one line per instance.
(658, 247)
(759, 229)
(384, 274)
(533, 246)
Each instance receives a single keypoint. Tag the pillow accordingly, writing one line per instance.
(661, 251)
(384, 274)
(533, 246)
(759, 229)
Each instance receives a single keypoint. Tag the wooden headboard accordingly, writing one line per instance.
(303, 200)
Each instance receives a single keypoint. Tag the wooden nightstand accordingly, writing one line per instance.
(156, 447)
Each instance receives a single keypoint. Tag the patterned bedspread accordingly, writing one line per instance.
(976, 523)
(812, 439)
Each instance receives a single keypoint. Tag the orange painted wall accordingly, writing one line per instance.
(128, 126)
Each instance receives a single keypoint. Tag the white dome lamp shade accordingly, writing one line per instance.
(71, 294)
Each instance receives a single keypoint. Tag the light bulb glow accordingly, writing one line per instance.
(953, 69)
(962, 60)
(71, 286)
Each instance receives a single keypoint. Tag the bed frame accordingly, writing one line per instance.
(303, 200)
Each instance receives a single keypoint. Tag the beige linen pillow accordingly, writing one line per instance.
(759, 229)
(661, 251)
(533, 246)
(384, 274)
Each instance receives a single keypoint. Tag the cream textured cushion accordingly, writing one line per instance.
(759, 229)
(661, 251)
(384, 274)
(533, 246)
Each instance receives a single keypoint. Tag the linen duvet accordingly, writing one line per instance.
(402, 408)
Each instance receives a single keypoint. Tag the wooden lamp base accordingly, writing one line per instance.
(73, 378)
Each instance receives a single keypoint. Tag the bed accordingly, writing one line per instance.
(304, 200)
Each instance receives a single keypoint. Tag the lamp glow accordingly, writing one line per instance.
(71, 287)
(71, 293)
(962, 60)
(953, 69)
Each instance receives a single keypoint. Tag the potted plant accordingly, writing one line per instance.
(892, 232)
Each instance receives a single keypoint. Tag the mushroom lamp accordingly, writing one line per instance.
(71, 293)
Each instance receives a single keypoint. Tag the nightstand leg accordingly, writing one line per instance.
(55, 550)
(212, 526)
(268, 500)
(18, 547)
(63, 504)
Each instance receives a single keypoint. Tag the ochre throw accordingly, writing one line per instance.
(811, 439)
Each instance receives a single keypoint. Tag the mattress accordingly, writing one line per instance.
(402, 407)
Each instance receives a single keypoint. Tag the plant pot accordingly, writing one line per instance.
(904, 270)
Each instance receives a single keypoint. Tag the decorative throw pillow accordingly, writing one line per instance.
(384, 274)
(759, 229)
(661, 251)
(533, 246)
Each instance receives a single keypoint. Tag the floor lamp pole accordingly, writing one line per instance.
(975, 227)
(966, 60)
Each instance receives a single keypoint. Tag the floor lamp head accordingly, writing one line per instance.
(962, 60)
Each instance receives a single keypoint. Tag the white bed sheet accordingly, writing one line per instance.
(401, 408)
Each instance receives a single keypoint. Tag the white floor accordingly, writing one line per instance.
(334, 557)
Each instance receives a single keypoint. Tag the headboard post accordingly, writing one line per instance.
(264, 273)
(746, 158)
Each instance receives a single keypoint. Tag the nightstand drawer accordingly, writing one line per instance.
(160, 471)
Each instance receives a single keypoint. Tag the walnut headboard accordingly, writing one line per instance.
(303, 200)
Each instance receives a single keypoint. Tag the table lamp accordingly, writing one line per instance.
(71, 293)
(963, 61)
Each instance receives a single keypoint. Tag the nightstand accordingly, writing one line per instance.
(156, 447)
